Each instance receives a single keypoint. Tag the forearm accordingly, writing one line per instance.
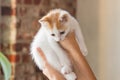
(81, 66)
(48, 70)
(85, 72)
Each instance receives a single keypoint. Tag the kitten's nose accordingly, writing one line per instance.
(57, 39)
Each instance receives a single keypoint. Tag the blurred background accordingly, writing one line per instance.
(99, 21)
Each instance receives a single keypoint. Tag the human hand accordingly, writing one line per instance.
(69, 43)
(81, 67)
(48, 70)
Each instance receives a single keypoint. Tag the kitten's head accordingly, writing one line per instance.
(57, 24)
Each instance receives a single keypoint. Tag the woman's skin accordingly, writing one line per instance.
(48, 70)
(80, 65)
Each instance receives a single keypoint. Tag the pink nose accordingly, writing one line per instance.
(58, 39)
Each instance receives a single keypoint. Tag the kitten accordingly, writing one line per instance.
(54, 27)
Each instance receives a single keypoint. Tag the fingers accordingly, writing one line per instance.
(69, 42)
(71, 35)
(69, 38)
(42, 56)
(48, 70)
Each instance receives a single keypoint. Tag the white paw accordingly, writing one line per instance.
(71, 76)
(66, 70)
(84, 52)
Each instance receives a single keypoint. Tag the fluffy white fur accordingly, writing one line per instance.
(55, 55)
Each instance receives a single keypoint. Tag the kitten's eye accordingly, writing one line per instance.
(62, 32)
(52, 34)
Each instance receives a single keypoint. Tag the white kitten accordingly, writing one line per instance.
(54, 27)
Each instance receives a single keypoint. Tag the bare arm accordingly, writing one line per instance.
(48, 70)
(81, 67)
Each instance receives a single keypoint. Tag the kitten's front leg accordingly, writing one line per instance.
(61, 54)
(68, 73)
(66, 68)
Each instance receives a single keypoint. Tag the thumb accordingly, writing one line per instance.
(42, 56)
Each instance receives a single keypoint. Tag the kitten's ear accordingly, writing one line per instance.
(42, 20)
(64, 18)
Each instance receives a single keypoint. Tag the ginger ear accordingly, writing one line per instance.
(42, 20)
(39, 21)
(64, 18)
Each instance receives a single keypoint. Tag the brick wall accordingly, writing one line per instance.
(18, 25)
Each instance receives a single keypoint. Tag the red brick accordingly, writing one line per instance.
(13, 11)
(31, 77)
(19, 69)
(27, 36)
(7, 11)
(29, 69)
(1, 77)
(5, 47)
(19, 37)
(27, 1)
(41, 76)
(18, 1)
(37, 69)
(2, 27)
(1, 46)
(42, 13)
(20, 46)
(18, 25)
(23, 11)
(36, 2)
(13, 57)
(19, 77)
(69, 4)
(36, 24)
(46, 2)
(24, 36)
(26, 58)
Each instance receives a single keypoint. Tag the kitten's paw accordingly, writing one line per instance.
(71, 76)
(84, 52)
(66, 70)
